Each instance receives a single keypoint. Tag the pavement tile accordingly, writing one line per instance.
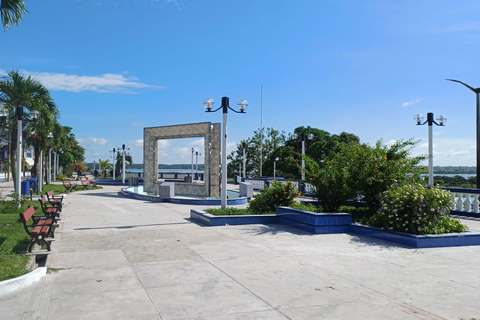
(95, 280)
(204, 300)
(114, 305)
(179, 272)
(91, 259)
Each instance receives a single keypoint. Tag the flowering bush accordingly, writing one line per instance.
(278, 194)
(417, 209)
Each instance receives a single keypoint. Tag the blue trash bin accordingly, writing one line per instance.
(25, 187)
(33, 184)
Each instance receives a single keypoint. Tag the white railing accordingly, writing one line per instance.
(465, 200)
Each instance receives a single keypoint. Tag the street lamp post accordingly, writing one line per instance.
(49, 165)
(275, 167)
(244, 160)
(19, 115)
(113, 157)
(208, 104)
(477, 92)
(122, 149)
(441, 121)
(196, 163)
(309, 137)
(193, 152)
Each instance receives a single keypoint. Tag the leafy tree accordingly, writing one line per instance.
(79, 167)
(12, 11)
(272, 139)
(332, 180)
(361, 171)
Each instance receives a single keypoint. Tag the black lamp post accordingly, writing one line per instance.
(208, 104)
(441, 121)
(477, 92)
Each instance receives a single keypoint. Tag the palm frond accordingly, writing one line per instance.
(12, 11)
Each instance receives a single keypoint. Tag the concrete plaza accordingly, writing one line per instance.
(119, 258)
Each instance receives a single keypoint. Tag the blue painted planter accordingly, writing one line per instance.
(314, 222)
(212, 220)
(469, 238)
(322, 223)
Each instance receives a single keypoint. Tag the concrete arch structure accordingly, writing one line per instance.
(211, 134)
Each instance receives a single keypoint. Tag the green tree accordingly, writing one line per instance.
(12, 11)
(104, 165)
(17, 92)
(331, 178)
(377, 168)
(361, 170)
(119, 163)
(272, 139)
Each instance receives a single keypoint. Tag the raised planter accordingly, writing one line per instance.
(212, 220)
(300, 219)
(469, 238)
(314, 222)
(322, 223)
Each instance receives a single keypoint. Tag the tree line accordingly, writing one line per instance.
(46, 134)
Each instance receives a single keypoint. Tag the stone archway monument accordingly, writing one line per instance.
(211, 134)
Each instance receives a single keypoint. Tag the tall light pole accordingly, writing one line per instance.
(261, 130)
(477, 92)
(441, 121)
(309, 137)
(275, 167)
(123, 150)
(49, 166)
(113, 157)
(193, 152)
(196, 163)
(208, 104)
(244, 158)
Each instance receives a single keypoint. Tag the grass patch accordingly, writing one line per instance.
(59, 188)
(13, 239)
(233, 212)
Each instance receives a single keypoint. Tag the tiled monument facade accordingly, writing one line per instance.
(211, 134)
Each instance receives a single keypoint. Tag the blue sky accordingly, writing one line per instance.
(364, 67)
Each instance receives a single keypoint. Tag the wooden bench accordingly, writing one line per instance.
(54, 200)
(51, 211)
(69, 186)
(38, 228)
(88, 183)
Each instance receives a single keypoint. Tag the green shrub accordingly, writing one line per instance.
(359, 214)
(417, 209)
(61, 177)
(229, 212)
(278, 194)
(306, 207)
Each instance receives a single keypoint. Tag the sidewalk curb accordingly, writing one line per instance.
(11, 285)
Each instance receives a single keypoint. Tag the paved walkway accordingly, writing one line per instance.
(118, 258)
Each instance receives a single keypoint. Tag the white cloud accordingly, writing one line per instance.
(449, 152)
(104, 83)
(92, 141)
(412, 102)
(138, 143)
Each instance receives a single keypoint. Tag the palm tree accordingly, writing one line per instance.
(104, 165)
(12, 11)
(17, 92)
